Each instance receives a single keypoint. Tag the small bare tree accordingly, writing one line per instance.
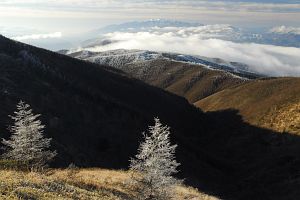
(27, 144)
(155, 164)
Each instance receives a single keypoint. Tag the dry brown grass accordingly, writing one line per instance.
(272, 103)
(77, 184)
(193, 82)
(284, 119)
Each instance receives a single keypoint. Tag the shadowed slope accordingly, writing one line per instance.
(94, 115)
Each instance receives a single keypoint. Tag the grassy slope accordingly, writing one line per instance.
(269, 103)
(193, 82)
(82, 184)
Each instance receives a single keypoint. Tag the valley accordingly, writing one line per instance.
(96, 114)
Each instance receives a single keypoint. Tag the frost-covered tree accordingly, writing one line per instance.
(155, 164)
(27, 144)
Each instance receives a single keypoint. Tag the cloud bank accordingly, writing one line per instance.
(266, 59)
(38, 36)
(286, 30)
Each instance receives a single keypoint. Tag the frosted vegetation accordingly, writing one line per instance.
(155, 164)
(27, 144)
(151, 170)
(121, 58)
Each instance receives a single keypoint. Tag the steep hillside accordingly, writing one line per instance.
(172, 72)
(95, 116)
(193, 82)
(270, 103)
(83, 184)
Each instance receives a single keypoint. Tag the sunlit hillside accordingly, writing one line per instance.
(269, 103)
(84, 184)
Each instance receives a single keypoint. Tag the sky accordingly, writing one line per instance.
(75, 16)
(56, 22)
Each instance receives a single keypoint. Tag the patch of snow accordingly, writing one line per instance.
(120, 57)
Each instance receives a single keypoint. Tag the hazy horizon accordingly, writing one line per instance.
(69, 16)
(234, 30)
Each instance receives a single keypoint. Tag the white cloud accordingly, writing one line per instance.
(286, 30)
(15, 31)
(223, 31)
(38, 36)
(267, 59)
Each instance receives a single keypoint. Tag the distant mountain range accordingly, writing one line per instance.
(136, 26)
(280, 36)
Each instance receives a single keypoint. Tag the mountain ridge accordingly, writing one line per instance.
(191, 77)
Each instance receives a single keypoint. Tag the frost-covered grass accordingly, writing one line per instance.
(77, 184)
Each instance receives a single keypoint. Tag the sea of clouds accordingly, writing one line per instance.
(209, 41)
(38, 36)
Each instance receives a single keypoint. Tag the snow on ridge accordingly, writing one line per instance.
(120, 57)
